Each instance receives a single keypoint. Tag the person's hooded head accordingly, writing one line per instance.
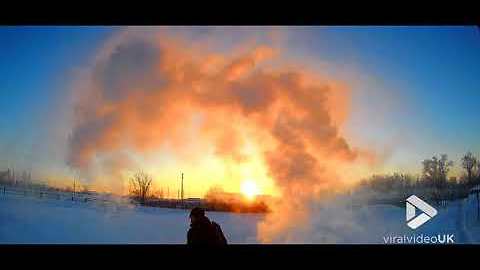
(197, 214)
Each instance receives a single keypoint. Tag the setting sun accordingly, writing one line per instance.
(249, 189)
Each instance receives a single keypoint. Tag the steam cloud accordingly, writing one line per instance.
(153, 91)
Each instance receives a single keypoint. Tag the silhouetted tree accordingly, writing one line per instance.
(478, 172)
(444, 166)
(435, 170)
(140, 184)
(469, 163)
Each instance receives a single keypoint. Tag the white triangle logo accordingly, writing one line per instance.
(428, 212)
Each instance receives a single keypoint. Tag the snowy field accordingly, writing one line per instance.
(26, 219)
(34, 220)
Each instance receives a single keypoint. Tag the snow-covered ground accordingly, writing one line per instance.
(25, 219)
(35, 220)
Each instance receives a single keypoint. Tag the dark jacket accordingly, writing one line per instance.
(204, 232)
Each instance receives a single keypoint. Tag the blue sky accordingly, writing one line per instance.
(35, 68)
(417, 88)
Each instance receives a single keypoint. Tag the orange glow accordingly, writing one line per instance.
(250, 189)
(224, 119)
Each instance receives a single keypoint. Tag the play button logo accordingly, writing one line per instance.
(413, 202)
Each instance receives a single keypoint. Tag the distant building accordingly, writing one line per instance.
(193, 202)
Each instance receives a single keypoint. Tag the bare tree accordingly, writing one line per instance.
(140, 184)
(435, 170)
(478, 170)
(430, 170)
(444, 166)
(469, 162)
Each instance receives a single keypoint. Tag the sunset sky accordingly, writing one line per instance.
(415, 92)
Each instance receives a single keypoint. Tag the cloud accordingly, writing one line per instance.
(154, 90)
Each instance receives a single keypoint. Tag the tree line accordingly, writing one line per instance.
(215, 199)
(433, 182)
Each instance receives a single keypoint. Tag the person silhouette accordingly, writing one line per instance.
(204, 232)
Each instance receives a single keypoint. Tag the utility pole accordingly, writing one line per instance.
(182, 189)
(73, 193)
